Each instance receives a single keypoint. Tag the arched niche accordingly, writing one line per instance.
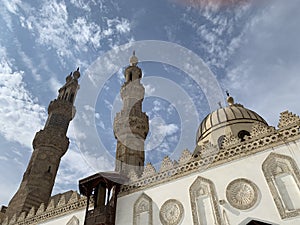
(282, 175)
(204, 202)
(142, 211)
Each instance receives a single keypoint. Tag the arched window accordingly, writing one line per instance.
(220, 141)
(72, 97)
(242, 134)
(142, 211)
(204, 203)
(283, 177)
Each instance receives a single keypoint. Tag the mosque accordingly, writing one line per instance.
(241, 172)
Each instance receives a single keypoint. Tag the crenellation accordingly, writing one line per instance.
(233, 149)
(41, 209)
(149, 170)
(31, 213)
(185, 157)
(166, 164)
(288, 119)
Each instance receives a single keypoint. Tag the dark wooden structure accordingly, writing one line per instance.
(103, 188)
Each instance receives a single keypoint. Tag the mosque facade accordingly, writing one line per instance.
(241, 172)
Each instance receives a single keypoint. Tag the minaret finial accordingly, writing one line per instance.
(229, 99)
(133, 60)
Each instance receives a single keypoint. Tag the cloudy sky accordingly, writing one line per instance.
(190, 52)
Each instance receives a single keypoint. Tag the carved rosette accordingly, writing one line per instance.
(242, 193)
(171, 212)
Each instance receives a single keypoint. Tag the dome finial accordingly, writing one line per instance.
(133, 60)
(229, 99)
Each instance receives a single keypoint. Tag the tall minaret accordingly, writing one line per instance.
(131, 125)
(49, 144)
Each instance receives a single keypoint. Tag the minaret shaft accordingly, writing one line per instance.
(131, 125)
(49, 144)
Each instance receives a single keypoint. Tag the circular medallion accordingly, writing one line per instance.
(242, 193)
(171, 212)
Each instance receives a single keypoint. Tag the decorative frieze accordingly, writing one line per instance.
(261, 139)
(75, 202)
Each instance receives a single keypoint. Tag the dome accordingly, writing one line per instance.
(234, 119)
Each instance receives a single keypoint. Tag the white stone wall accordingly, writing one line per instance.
(73, 218)
(249, 167)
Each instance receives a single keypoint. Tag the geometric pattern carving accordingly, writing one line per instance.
(200, 189)
(166, 164)
(171, 212)
(186, 156)
(230, 140)
(142, 205)
(242, 193)
(260, 129)
(208, 149)
(274, 166)
(149, 170)
(287, 118)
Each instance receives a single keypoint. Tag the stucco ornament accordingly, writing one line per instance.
(171, 212)
(242, 193)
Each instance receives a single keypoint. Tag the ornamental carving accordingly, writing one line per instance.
(142, 205)
(242, 193)
(275, 166)
(171, 212)
(166, 164)
(230, 140)
(200, 189)
(287, 119)
(149, 170)
(186, 156)
(260, 129)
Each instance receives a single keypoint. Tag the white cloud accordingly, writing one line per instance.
(17, 106)
(265, 72)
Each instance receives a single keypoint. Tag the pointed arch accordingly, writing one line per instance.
(283, 177)
(142, 211)
(73, 221)
(204, 202)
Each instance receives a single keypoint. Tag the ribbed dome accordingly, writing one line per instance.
(234, 114)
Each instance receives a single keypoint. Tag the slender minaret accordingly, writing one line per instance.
(131, 125)
(49, 144)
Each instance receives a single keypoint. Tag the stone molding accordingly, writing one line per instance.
(73, 202)
(171, 212)
(141, 205)
(50, 137)
(259, 141)
(242, 193)
(276, 164)
(204, 187)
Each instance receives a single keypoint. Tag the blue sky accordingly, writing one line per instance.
(250, 49)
